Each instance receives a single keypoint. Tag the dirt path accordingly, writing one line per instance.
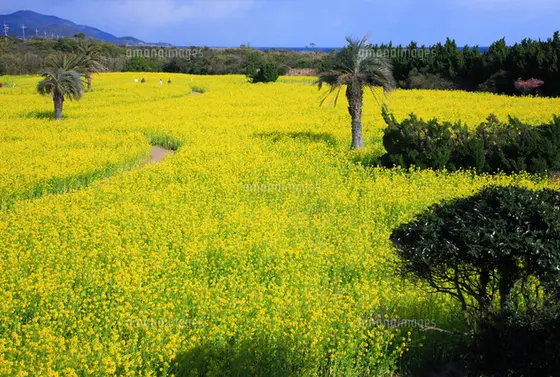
(157, 154)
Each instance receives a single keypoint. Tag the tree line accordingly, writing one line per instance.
(527, 67)
(500, 69)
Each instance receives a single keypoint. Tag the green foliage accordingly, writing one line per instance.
(415, 142)
(327, 62)
(65, 62)
(175, 65)
(20, 64)
(67, 45)
(61, 83)
(441, 66)
(445, 65)
(267, 72)
(283, 70)
(493, 147)
(184, 65)
(356, 70)
(351, 68)
(91, 55)
(253, 61)
(494, 251)
(198, 89)
(499, 82)
(142, 64)
(418, 80)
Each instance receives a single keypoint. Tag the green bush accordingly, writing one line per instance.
(497, 254)
(493, 147)
(418, 80)
(268, 72)
(142, 64)
(500, 82)
(415, 142)
(283, 70)
(252, 61)
(485, 249)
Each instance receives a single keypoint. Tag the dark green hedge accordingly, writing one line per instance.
(497, 253)
(492, 147)
(267, 72)
(485, 246)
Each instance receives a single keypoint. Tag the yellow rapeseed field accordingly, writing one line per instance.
(261, 247)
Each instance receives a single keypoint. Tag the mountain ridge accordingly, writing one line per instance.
(39, 25)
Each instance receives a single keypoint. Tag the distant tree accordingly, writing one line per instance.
(176, 65)
(267, 72)
(141, 64)
(80, 36)
(354, 68)
(5, 44)
(92, 59)
(253, 60)
(60, 82)
(66, 44)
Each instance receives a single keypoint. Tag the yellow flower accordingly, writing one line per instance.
(259, 232)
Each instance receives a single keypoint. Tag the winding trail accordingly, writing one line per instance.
(157, 154)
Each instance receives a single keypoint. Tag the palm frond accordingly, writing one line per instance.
(64, 61)
(377, 71)
(92, 56)
(61, 83)
(354, 67)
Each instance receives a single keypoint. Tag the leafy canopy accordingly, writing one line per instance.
(357, 65)
(497, 249)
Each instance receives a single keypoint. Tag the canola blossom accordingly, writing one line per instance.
(261, 247)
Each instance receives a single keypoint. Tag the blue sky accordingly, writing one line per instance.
(296, 23)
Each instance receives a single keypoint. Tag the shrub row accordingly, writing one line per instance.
(496, 253)
(492, 147)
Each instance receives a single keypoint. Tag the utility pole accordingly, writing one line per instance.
(44, 32)
(5, 30)
(23, 27)
(37, 33)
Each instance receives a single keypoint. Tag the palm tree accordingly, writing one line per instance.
(61, 82)
(357, 67)
(65, 61)
(92, 59)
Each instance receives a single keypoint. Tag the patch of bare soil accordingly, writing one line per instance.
(157, 154)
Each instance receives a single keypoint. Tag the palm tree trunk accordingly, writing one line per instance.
(58, 100)
(88, 78)
(355, 95)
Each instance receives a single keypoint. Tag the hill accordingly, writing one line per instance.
(42, 26)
